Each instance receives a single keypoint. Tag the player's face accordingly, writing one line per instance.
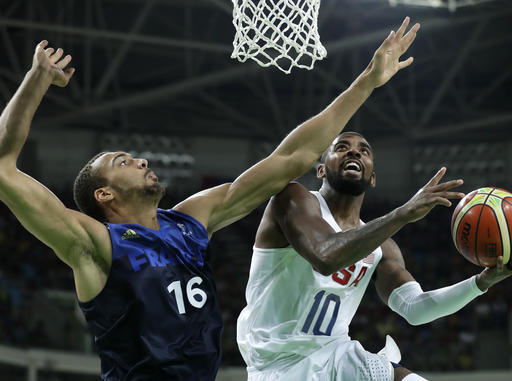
(348, 166)
(128, 176)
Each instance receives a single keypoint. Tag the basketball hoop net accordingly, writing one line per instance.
(282, 33)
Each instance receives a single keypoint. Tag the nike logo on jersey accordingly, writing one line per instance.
(184, 230)
(130, 234)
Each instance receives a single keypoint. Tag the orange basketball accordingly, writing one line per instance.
(481, 226)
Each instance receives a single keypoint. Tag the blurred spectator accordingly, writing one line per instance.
(28, 268)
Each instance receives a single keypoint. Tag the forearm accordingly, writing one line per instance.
(345, 248)
(419, 307)
(17, 115)
(309, 140)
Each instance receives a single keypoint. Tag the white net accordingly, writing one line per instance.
(282, 33)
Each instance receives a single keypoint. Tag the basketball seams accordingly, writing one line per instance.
(497, 219)
(506, 253)
(473, 201)
(501, 219)
(478, 224)
(464, 212)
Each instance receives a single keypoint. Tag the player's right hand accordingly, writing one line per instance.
(432, 194)
(50, 61)
(386, 60)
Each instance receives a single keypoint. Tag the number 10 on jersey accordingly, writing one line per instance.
(320, 328)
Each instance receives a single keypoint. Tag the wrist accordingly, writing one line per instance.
(401, 215)
(40, 74)
(365, 83)
(482, 282)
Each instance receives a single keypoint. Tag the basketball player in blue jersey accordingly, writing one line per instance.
(141, 275)
(312, 262)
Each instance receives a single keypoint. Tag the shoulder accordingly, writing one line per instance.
(179, 220)
(294, 195)
(200, 205)
(270, 233)
(95, 237)
(390, 248)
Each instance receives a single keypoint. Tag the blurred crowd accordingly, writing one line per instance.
(34, 312)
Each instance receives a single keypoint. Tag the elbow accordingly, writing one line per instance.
(324, 269)
(416, 320)
(327, 265)
(330, 260)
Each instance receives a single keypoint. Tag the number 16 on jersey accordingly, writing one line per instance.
(196, 297)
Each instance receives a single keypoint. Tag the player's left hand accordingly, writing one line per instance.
(492, 275)
(386, 60)
(52, 62)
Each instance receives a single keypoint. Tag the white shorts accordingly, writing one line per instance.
(337, 361)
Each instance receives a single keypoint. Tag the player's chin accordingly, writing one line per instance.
(352, 175)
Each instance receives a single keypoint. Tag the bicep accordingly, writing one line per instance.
(220, 206)
(43, 214)
(298, 214)
(391, 271)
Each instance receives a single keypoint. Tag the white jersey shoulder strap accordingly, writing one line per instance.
(326, 212)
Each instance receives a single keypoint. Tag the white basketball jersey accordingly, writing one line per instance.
(293, 310)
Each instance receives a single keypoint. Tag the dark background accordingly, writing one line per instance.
(157, 77)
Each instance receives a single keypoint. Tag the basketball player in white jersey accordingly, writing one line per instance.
(313, 259)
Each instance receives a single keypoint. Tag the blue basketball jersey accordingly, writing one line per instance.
(157, 318)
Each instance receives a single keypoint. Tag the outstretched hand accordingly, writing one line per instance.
(432, 194)
(492, 275)
(51, 61)
(386, 60)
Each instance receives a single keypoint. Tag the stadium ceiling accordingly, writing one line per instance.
(164, 66)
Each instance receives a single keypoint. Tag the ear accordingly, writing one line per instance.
(373, 180)
(320, 171)
(103, 195)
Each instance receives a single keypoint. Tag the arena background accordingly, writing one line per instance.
(155, 77)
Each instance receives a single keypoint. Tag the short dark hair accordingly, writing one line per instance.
(87, 181)
(324, 155)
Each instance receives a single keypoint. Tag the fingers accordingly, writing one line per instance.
(69, 72)
(64, 62)
(445, 186)
(409, 38)
(438, 176)
(449, 195)
(56, 56)
(405, 63)
(499, 264)
(400, 32)
(442, 201)
(43, 44)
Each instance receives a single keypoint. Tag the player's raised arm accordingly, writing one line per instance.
(38, 209)
(298, 152)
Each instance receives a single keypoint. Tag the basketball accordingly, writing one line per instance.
(481, 225)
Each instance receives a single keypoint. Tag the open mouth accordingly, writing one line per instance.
(352, 165)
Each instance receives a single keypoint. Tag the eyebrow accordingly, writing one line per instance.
(117, 157)
(362, 144)
(366, 145)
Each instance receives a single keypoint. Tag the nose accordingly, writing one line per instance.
(354, 152)
(142, 163)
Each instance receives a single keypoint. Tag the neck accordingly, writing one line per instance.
(345, 208)
(135, 213)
